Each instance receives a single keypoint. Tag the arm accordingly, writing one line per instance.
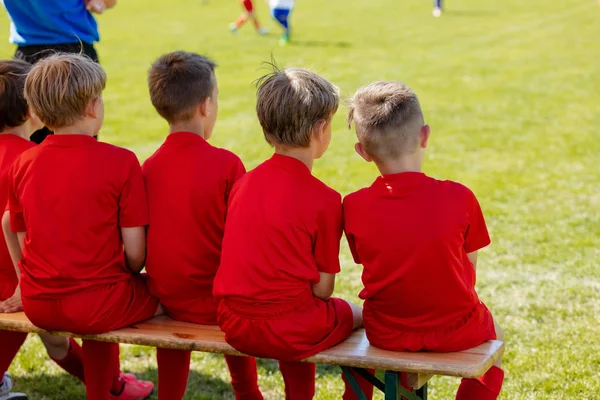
(324, 288)
(14, 242)
(473, 258)
(134, 242)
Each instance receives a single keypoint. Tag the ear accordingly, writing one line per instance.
(319, 130)
(90, 110)
(424, 136)
(203, 108)
(358, 147)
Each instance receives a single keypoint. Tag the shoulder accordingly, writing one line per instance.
(323, 194)
(117, 153)
(452, 190)
(226, 157)
(356, 197)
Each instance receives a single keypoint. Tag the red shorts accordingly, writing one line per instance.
(201, 310)
(287, 332)
(248, 5)
(473, 329)
(99, 309)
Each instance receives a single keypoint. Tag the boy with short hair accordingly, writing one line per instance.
(17, 124)
(84, 245)
(188, 183)
(282, 237)
(417, 239)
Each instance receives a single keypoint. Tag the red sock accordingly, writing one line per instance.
(256, 24)
(366, 387)
(244, 377)
(241, 20)
(73, 361)
(102, 369)
(299, 379)
(11, 342)
(485, 388)
(173, 372)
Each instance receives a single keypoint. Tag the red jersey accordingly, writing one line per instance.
(283, 227)
(71, 195)
(188, 183)
(11, 146)
(412, 234)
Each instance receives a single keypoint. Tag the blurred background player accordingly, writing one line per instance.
(247, 14)
(280, 10)
(437, 8)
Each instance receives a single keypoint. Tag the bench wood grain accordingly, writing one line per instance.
(353, 352)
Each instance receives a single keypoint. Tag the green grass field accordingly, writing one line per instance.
(511, 90)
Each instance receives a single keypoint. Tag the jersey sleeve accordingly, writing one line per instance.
(133, 202)
(347, 230)
(328, 236)
(236, 171)
(476, 236)
(17, 218)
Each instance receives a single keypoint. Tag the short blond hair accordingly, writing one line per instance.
(290, 102)
(388, 119)
(59, 88)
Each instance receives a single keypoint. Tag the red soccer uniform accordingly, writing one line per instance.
(412, 233)
(188, 183)
(11, 146)
(283, 228)
(71, 195)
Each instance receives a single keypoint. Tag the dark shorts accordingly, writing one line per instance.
(35, 53)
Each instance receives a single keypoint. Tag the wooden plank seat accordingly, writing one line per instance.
(354, 354)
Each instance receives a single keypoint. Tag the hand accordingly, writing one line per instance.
(95, 6)
(13, 304)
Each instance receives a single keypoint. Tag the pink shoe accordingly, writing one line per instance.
(134, 389)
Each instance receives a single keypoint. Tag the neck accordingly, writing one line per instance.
(192, 126)
(78, 128)
(25, 130)
(304, 154)
(408, 163)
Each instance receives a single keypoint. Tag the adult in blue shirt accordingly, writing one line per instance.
(42, 27)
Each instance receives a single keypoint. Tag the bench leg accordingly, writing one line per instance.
(347, 371)
(395, 391)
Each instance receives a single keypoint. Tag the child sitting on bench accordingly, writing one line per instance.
(417, 239)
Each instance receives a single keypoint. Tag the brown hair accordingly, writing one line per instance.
(388, 118)
(13, 106)
(60, 87)
(179, 82)
(290, 102)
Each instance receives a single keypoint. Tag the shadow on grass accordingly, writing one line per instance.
(65, 387)
(469, 13)
(320, 43)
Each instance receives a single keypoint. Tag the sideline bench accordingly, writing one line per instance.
(354, 354)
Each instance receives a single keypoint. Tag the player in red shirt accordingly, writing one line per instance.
(417, 239)
(282, 236)
(16, 127)
(247, 14)
(188, 183)
(84, 244)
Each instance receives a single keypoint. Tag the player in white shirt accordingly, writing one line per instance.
(280, 10)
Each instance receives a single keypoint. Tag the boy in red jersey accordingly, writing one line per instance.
(282, 237)
(17, 124)
(188, 183)
(247, 14)
(84, 245)
(417, 239)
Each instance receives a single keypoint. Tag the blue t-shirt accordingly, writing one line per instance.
(35, 22)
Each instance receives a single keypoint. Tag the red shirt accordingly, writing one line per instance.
(71, 195)
(283, 227)
(11, 146)
(188, 183)
(412, 234)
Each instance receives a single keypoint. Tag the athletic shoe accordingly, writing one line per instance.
(437, 12)
(284, 39)
(134, 389)
(233, 28)
(262, 31)
(5, 388)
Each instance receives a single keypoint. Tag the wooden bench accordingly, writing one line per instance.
(354, 354)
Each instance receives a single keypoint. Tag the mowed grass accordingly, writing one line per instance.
(512, 93)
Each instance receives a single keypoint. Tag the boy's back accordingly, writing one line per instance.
(188, 183)
(412, 234)
(278, 213)
(89, 190)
